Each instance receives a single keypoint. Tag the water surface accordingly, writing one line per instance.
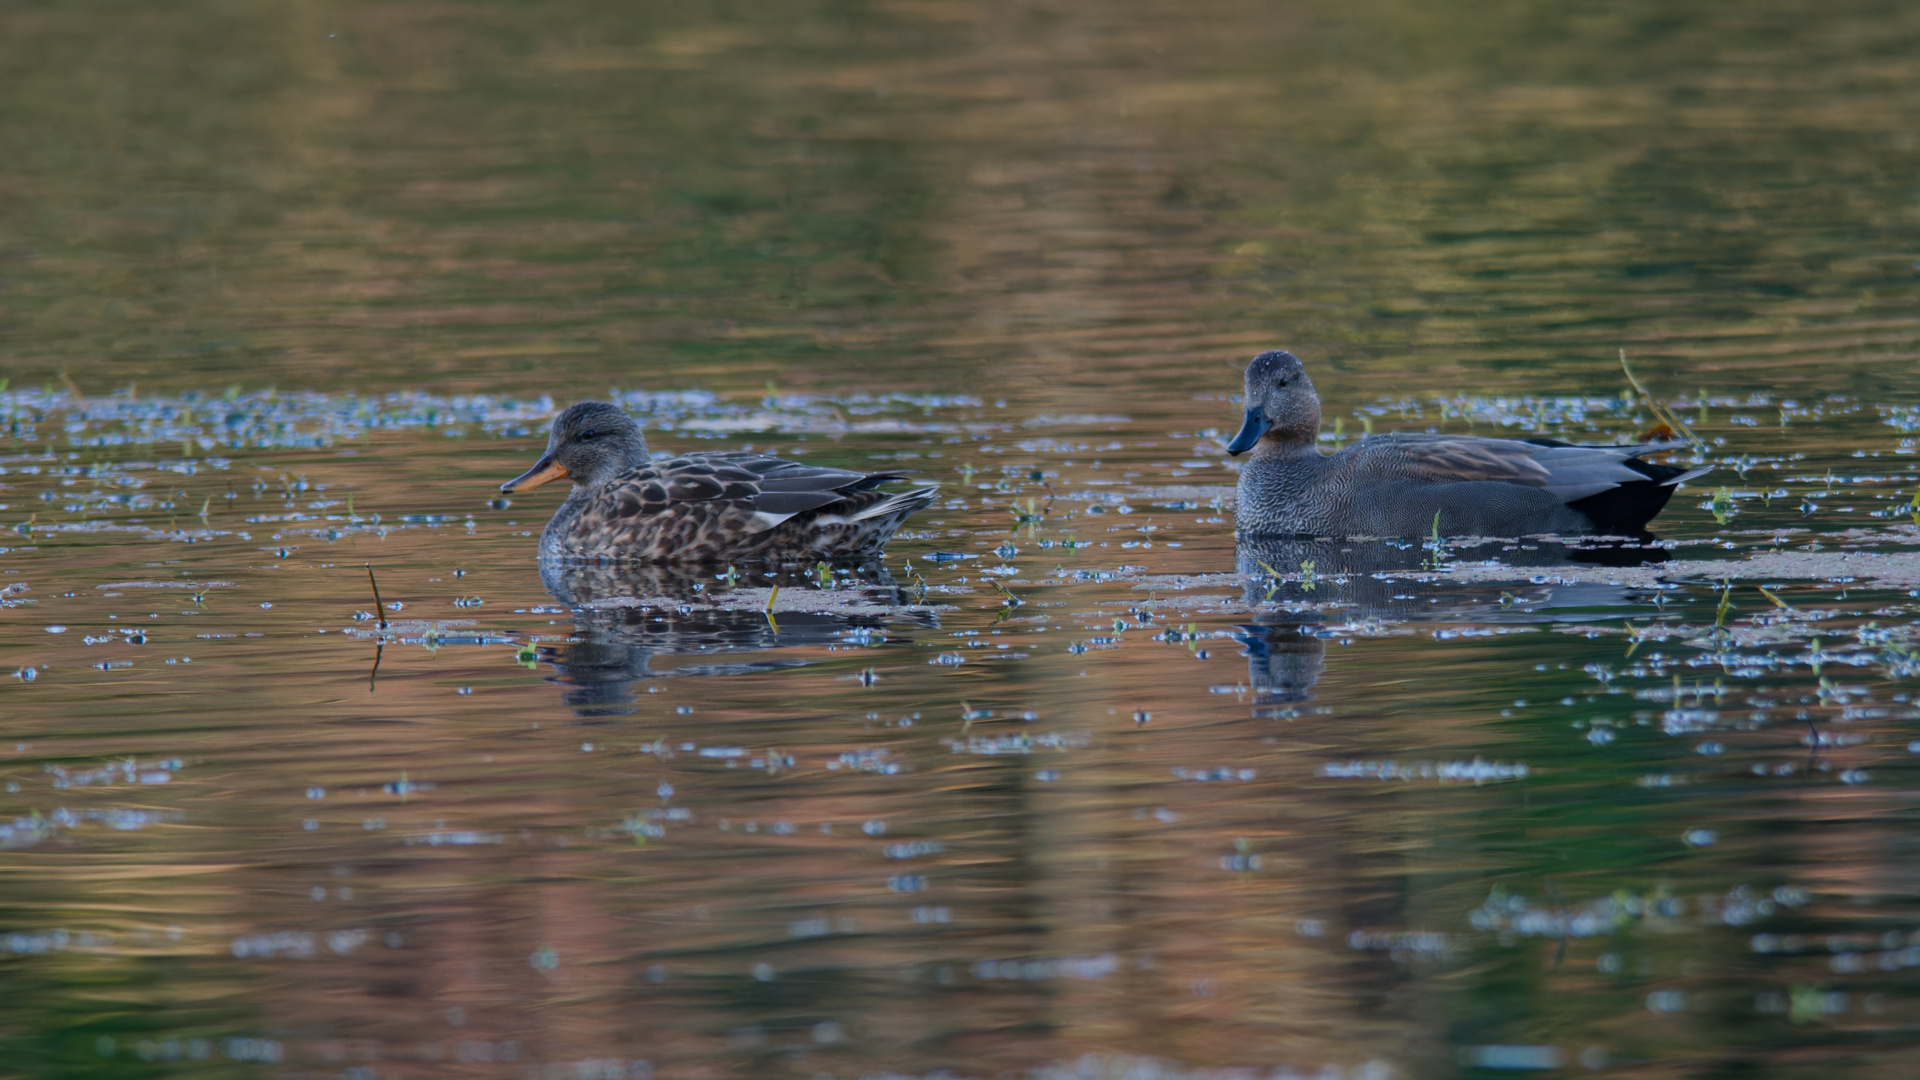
(1068, 786)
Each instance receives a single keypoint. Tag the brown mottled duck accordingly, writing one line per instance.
(716, 507)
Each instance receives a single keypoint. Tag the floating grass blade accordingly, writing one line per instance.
(1272, 573)
(1436, 545)
(1660, 412)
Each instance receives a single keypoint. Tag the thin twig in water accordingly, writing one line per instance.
(380, 609)
(380, 645)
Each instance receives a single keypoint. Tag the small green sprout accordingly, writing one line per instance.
(1723, 506)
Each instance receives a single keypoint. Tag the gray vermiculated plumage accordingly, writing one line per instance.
(728, 506)
(1393, 485)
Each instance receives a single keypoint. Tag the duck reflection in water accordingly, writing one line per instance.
(1303, 589)
(636, 622)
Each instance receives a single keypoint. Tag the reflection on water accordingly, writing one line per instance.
(1335, 588)
(637, 622)
(1070, 786)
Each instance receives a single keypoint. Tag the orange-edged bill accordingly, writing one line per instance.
(544, 471)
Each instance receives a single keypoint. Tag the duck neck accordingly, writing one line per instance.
(553, 537)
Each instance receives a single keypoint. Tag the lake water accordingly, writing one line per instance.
(1068, 787)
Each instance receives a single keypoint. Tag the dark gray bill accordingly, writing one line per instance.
(1250, 433)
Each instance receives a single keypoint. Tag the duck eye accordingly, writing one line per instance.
(590, 434)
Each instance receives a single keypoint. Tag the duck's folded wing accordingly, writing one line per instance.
(1443, 459)
(765, 490)
(1576, 472)
(1570, 471)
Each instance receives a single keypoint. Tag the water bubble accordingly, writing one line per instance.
(1667, 1001)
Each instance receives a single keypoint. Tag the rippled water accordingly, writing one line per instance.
(1068, 787)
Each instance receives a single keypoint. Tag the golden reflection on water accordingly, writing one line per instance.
(1214, 808)
(979, 197)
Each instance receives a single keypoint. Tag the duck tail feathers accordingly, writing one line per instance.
(899, 505)
(1686, 476)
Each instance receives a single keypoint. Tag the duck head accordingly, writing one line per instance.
(592, 442)
(1281, 403)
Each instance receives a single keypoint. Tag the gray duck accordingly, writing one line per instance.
(716, 507)
(1393, 485)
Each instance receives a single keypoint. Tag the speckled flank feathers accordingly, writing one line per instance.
(1394, 485)
(730, 506)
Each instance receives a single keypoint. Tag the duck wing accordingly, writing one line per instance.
(1569, 470)
(1447, 459)
(764, 490)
